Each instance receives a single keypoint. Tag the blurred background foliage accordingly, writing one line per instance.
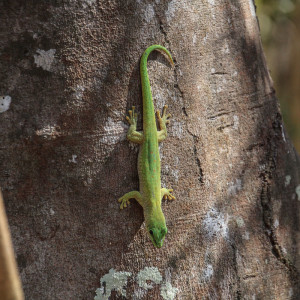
(280, 32)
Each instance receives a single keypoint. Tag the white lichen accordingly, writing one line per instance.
(297, 190)
(113, 281)
(78, 92)
(116, 281)
(148, 274)
(287, 180)
(175, 174)
(73, 160)
(240, 222)
(276, 223)
(160, 98)
(176, 128)
(236, 122)
(211, 2)
(44, 59)
(194, 39)
(173, 6)
(87, 3)
(168, 292)
(219, 89)
(139, 293)
(49, 131)
(4, 103)
(114, 131)
(149, 13)
(225, 49)
(216, 224)
(246, 235)
(234, 187)
(208, 272)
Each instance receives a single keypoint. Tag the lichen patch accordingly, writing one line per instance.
(216, 224)
(287, 180)
(298, 192)
(148, 273)
(4, 103)
(44, 59)
(113, 281)
(168, 292)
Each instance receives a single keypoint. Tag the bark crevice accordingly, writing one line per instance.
(236, 270)
(268, 222)
(176, 85)
(266, 197)
(198, 161)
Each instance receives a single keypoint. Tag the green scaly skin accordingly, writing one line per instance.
(151, 193)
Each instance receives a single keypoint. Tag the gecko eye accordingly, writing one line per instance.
(151, 232)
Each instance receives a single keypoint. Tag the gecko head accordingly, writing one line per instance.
(157, 234)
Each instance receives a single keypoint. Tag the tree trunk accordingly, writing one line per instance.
(69, 74)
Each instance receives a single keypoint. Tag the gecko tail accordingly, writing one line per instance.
(148, 107)
(160, 49)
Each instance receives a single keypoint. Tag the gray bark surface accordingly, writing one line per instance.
(71, 69)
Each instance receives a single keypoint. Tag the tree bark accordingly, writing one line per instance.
(70, 72)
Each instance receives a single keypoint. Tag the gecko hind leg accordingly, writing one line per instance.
(133, 135)
(131, 195)
(166, 194)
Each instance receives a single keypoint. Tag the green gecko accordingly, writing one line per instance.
(151, 193)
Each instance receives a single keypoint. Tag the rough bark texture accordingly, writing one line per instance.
(71, 69)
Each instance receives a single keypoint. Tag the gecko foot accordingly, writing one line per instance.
(124, 202)
(132, 119)
(131, 195)
(163, 120)
(167, 194)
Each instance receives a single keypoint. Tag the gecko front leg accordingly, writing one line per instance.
(166, 194)
(133, 135)
(131, 195)
(162, 121)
